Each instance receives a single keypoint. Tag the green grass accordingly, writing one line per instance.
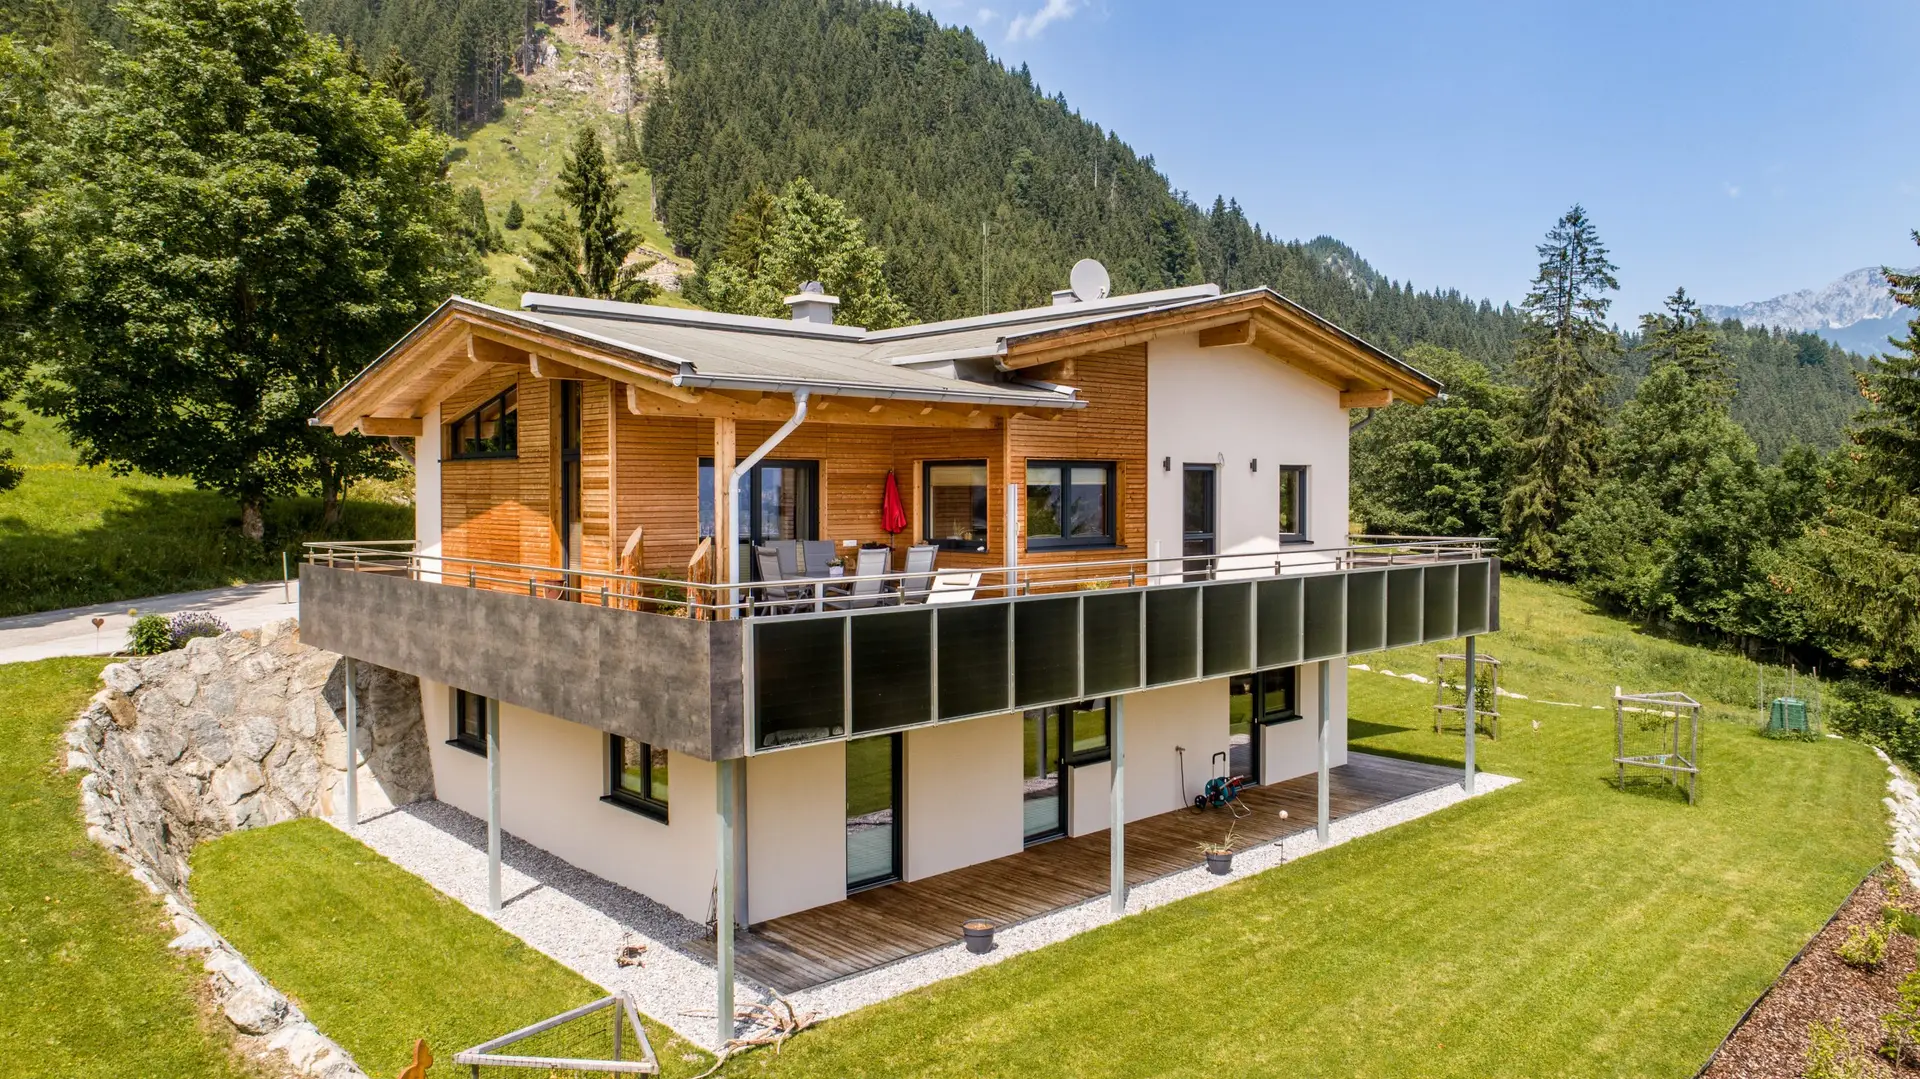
(375, 956)
(87, 986)
(72, 535)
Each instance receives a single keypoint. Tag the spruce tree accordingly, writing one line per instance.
(587, 256)
(403, 85)
(1565, 355)
(1858, 570)
(774, 245)
(515, 215)
(1677, 336)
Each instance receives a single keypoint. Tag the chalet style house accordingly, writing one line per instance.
(765, 615)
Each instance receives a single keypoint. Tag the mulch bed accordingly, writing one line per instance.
(1771, 1043)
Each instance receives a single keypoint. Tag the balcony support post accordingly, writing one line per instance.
(724, 899)
(493, 806)
(1473, 718)
(353, 744)
(1117, 807)
(1324, 794)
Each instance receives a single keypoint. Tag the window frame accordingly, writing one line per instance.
(619, 795)
(1070, 757)
(1109, 538)
(751, 491)
(1266, 717)
(457, 737)
(1297, 474)
(980, 546)
(454, 441)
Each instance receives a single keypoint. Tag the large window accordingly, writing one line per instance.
(638, 776)
(469, 721)
(778, 500)
(1253, 701)
(492, 430)
(1293, 503)
(1070, 503)
(956, 504)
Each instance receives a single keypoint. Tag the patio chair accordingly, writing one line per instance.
(815, 556)
(954, 587)
(919, 579)
(789, 552)
(774, 598)
(871, 562)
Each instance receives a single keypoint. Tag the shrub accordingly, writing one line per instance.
(1868, 715)
(1866, 946)
(149, 635)
(1900, 1028)
(190, 624)
(1830, 1055)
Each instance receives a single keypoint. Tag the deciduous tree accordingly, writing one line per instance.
(776, 245)
(1437, 469)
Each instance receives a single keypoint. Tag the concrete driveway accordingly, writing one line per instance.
(71, 632)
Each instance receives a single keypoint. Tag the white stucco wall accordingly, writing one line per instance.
(1089, 793)
(426, 491)
(796, 830)
(963, 786)
(1292, 749)
(552, 776)
(1237, 403)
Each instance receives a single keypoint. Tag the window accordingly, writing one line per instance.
(469, 721)
(1254, 701)
(638, 776)
(786, 493)
(1293, 503)
(492, 430)
(956, 501)
(1070, 503)
(573, 530)
(1089, 731)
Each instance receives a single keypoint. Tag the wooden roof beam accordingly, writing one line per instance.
(644, 398)
(390, 426)
(1232, 333)
(1366, 398)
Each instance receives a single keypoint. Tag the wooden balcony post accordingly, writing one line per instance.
(725, 545)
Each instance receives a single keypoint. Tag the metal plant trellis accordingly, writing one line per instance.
(601, 1038)
(1486, 691)
(1664, 735)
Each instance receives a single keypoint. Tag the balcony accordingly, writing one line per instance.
(719, 671)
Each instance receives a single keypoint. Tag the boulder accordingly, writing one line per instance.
(255, 1009)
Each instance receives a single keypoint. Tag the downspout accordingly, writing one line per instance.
(733, 488)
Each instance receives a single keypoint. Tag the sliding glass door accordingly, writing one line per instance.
(1043, 803)
(873, 811)
(779, 500)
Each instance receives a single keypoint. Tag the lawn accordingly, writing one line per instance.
(376, 957)
(72, 535)
(87, 986)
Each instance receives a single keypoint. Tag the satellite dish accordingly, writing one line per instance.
(1090, 281)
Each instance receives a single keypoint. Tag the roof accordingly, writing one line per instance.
(976, 360)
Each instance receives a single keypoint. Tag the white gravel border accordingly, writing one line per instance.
(582, 921)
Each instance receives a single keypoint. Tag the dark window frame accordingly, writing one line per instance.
(454, 450)
(1298, 475)
(1070, 757)
(1108, 538)
(1265, 716)
(979, 546)
(459, 738)
(619, 795)
(898, 748)
(750, 490)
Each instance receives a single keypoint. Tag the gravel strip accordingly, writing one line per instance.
(582, 921)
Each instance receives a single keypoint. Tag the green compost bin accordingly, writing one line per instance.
(1787, 714)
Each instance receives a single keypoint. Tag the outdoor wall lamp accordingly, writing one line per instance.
(1253, 464)
(1166, 464)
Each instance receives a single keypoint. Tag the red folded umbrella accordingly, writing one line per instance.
(893, 516)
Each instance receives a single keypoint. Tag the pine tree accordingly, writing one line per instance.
(403, 85)
(587, 256)
(1565, 355)
(515, 215)
(1858, 570)
(1678, 337)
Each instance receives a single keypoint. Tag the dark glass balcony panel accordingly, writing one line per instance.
(1227, 628)
(798, 680)
(1442, 608)
(1366, 610)
(1281, 614)
(1405, 600)
(1111, 649)
(892, 669)
(973, 659)
(1046, 650)
(1173, 631)
(1326, 615)
(1476, 594)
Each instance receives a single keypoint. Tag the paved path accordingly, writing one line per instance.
(71, 632)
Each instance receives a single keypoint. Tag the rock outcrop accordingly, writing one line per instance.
(231, 732)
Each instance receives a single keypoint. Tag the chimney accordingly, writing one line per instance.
(1064, 297)
(812, 304)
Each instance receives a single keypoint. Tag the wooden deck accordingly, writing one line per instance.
(881, 925)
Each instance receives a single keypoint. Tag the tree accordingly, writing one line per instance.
(1858, 570)
(1678, 337)
(247, 224)
(515, 216)
(1437, 469)
(26, 264)
(774, 245)
(1564, 357)
(403, 85)
(475, 226)
(587, 256)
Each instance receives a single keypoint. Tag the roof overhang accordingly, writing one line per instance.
(1365, 375)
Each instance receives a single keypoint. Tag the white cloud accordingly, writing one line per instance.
(986, 16)
(1733, 190)
(1032, 25)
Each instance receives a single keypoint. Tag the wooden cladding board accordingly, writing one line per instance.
(504, 509)
(1113, 427)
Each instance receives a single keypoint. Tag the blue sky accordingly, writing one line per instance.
(1741, 150)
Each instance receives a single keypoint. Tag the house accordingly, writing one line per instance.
(1142, 578)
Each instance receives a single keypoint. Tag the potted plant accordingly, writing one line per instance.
(978, 933)
(1220, 855)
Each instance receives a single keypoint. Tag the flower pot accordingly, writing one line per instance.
(979, 936)
(1219, 862)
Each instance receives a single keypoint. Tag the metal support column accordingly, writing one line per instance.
(1473, 718)
(493, 805)
(723, 904)
(1117, 798)
(1324, 795)
(353, 745)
